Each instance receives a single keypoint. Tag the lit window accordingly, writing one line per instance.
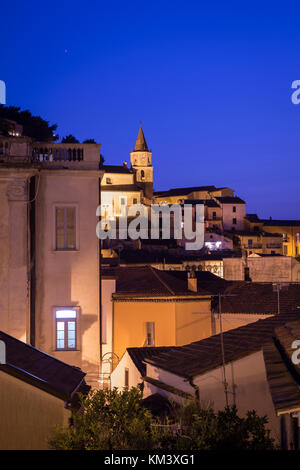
(150, 333)
(65, 228)
(66, 329)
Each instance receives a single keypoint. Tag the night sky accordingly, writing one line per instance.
(210, 81)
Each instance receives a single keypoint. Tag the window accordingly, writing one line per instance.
(150, 333)
(214, 215)
(297, 237)
(65, 228)
(123, 204)
(142, 174)
(234, 221)
(108, 181)
(126, 378)
(233, 208)
(134, 200)
(66, 329)
(285, 250)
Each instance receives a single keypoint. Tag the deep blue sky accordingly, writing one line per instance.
(211, 82)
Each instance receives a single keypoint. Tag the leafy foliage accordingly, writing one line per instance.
(33, 126)
(69, 139)
(108, 420)
(113, 420)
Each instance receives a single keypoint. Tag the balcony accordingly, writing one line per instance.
(255, 246)
(23, 151)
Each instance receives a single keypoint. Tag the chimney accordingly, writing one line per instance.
(192, 281)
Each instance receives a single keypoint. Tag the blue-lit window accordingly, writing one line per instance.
(66, 329)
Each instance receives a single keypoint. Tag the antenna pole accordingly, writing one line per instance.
(223, 353)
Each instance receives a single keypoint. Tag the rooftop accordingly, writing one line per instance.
(183, 191)
(40, 369)
(116, 169)
(230, 200)
(201, 356)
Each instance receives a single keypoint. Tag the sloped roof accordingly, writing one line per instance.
(260, 298)
(138, 355)
(141, 144)
(280, 223)
(116, 169)
(40, 369)
(230, 200)
(121, 187)
(201, 356)
(183, 191)
(143, 281)
(283, 376)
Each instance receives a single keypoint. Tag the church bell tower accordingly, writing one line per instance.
(141, 163)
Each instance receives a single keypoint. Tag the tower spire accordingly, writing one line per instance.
(141, 144)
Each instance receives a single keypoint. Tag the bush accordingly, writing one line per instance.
(112, 420)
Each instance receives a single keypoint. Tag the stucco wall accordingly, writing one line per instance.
(118, 375)
(28, 415)
(14, 265)
(193, 321)
(129, 324)
(69, 278)
(229, 215)
(247, 388)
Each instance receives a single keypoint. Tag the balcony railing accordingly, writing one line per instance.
(62, 154)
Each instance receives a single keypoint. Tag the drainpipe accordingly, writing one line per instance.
(100, 295)
(32, 296)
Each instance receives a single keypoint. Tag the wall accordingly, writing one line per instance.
(193, 321)
(248, 387)
(292, 248)
(28, 415)
(263, 269)
(14, 261)
(118, 374)
(228, 215)
(108, 288)
(69, 278)
(129, 323)
(234, 320)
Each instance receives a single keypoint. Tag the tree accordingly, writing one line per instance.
(113, 420)
(108, 419)
(69, 139)
(33, 126)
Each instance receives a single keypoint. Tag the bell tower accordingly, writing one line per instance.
(141, 163)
